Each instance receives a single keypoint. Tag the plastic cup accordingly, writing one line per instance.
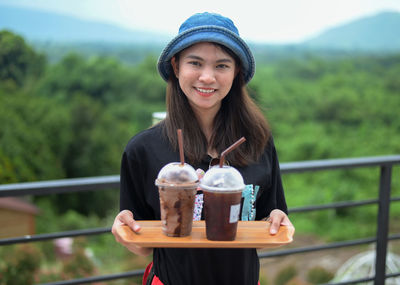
(177, 186)
(222, 188)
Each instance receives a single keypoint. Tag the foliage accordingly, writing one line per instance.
(285, 275)
(322, 109)
(30, 136)
(79, 266)
(48, 219)
(18, 60)
(21, 266)
(319, 275)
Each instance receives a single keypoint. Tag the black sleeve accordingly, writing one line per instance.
(274, 197)
(132, 186)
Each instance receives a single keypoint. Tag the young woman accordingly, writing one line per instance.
(207, 66)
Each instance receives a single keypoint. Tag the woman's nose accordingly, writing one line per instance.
(207, 75)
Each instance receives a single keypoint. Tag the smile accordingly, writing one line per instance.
(208, 90)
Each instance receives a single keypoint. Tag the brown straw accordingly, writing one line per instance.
(180, 143)
(229, 149)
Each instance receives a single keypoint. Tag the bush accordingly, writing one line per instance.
(21, 267)
(285, 274)
(319, 275)
(78, 266)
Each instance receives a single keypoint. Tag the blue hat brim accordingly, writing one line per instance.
(214, 34)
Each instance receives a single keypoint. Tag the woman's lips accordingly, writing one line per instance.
(206, 92)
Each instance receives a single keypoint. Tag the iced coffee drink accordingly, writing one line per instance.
(177, 184)
(222, 188)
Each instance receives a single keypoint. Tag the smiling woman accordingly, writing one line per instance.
(206, 67)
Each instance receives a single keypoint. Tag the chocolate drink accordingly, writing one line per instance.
(177, 210)
(177, 186)
(222, 188)
(222, 214)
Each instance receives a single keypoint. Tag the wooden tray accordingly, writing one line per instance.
(250, 234)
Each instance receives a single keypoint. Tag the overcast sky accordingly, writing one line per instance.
(272, 21)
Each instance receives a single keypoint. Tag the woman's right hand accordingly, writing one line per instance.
(125, 217)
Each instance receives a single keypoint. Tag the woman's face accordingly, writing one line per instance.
(205, 73)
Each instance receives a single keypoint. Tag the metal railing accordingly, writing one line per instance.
(381, 239)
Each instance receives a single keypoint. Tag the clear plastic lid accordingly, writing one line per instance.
(176, 174)
(226, 178)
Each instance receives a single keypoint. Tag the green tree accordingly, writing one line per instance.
(18, 61)
(102, 78)
(33, 137)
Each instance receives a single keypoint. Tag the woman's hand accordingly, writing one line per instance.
(278, 218)
(125, 217)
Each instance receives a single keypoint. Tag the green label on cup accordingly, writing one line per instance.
(234, 214)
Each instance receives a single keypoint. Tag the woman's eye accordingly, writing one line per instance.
(195, 63)
(222, 66)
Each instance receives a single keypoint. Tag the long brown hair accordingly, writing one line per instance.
(238, 116)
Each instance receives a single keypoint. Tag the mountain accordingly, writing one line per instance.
(376, 33)
(37, 25)
(380, 32)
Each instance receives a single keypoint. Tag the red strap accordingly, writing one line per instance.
(156, 281)
(146, 273)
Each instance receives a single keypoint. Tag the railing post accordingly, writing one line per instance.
(383, 224)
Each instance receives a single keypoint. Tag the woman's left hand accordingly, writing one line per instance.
(278, 218)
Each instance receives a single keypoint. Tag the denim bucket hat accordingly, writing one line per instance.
(207, 27)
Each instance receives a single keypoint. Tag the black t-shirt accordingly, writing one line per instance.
(144, 156)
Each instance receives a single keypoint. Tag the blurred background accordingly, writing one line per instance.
(78, 79)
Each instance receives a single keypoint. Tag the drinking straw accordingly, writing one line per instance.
(180, 143)
(229, 149)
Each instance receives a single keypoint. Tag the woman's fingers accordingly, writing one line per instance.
(125, 217)
(200, 173)
(275, 225)
(278, 218)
